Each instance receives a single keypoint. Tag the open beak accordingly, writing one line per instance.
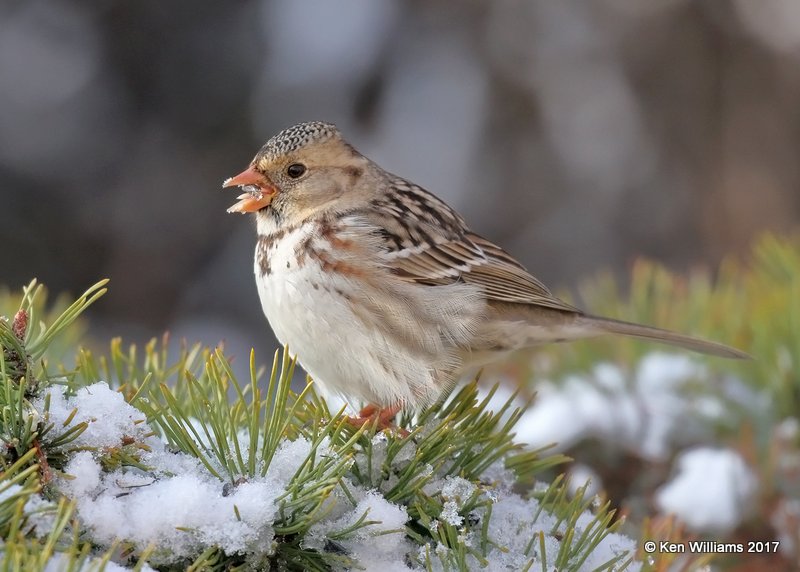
(258, 191)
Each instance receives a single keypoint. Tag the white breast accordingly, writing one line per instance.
(364, 334)
(291, 293)
(308, 309)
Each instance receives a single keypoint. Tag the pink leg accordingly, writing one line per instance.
(384, 415)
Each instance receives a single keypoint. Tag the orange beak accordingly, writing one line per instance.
(259, 192)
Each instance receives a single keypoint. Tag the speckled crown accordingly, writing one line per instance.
(297, 136)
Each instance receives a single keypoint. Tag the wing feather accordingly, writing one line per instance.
(429, 243)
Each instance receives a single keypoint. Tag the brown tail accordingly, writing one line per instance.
(607, 325)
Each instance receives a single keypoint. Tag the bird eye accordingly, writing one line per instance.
(295, 170)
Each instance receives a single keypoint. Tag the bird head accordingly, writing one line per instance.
(301, 172)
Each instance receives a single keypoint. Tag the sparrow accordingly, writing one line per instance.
(381, 290)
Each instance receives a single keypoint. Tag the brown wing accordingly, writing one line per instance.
(427, 242)
(474, 260)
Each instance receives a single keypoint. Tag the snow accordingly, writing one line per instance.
(41, 516)
(39, 512)
(646, 413)
(512, 526)
(711, 492)
(9, 492)
(60, 562)
(160, 511)
(109, 418)
(651, 412)
(455, 492)
(378, 546)
(785, 519)
(180, 509)
(177, 505)
(84, 473)
(581, 475)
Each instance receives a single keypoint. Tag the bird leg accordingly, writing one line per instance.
(371, 412)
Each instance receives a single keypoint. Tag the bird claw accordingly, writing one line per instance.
(382, 417)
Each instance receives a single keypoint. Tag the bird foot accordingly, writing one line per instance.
(384, 416)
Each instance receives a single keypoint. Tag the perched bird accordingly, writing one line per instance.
(381, 289)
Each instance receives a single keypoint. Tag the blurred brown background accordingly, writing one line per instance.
(577, 134)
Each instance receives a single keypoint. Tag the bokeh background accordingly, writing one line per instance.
(579, 135)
